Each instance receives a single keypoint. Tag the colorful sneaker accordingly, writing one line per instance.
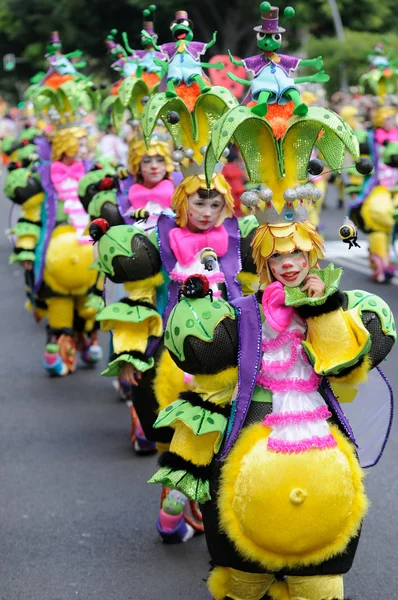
(171, 523)
(92, 354)
(138, 440)
(53, 362)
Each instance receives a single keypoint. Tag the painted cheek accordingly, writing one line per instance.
(273, 271)
(304, 264)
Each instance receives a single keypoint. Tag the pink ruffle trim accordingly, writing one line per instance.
(285, 447)
(300, 416)
(288, 384)
(211, 277)
(282, 366)
(282, 339)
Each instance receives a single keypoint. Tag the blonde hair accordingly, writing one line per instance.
(190, 185)
(137, 151)
(284, 238)
(66, 141)
(382, 113)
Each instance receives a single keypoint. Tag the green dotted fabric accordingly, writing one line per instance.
(94, 208)
(96, 302)
(116, 242)
(198, 419)
(27, 152)
(193, 488)
(114, 368)
(370, 302)
(331, 278)
(90, 178)
(15, 179)
(247, 225)
(303, 134)
(23, 228)
(198, 317)
(119, 311)
(22, 256)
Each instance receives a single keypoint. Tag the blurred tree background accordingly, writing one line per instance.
(25, 27)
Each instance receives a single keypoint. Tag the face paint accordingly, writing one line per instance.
(290, 269)
(153, 170)
(203, 213)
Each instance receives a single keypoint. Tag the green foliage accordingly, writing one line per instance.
(353, 53)
(25, 26)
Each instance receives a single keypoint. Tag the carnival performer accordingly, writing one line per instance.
(154, 267)
(138, 194)
(51, 243)
(374, 208)
(260, 440)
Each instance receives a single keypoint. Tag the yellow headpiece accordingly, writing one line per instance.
(279, 165)
(138, 150)
(383, 113)
(66, 141)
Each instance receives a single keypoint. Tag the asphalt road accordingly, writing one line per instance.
(77, 520)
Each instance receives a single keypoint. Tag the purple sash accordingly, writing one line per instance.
(230, 265)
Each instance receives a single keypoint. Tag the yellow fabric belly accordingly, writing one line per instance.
(67, 263)
(284, 510)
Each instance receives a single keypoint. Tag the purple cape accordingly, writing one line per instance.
(230, 265)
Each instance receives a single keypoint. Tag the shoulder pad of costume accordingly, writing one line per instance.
(128, 311)
(247, 224)
(198, 317)
(94, 208)
(16, 178)
(365, 301)
(92, 177)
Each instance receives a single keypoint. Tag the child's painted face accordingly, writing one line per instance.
(204, 212)
(153, 169)
(290, 269)
(269, 42)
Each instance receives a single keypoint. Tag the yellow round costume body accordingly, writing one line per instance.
(283, 510)
(67, 264)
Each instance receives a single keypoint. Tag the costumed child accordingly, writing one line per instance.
(137, 195)
(261, 441)
(51, 242)
(151, 266)
(374, 208)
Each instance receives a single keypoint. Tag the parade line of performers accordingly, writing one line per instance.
(238, 355)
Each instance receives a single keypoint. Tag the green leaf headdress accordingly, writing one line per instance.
(279, 164)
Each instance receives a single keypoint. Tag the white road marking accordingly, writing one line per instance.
(356, 259)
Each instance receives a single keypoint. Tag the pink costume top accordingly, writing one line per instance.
(66, 180)
(299, 413)
(156, 200)
(187, 247)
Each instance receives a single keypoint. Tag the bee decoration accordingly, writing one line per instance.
(348, 233)
(208, 258)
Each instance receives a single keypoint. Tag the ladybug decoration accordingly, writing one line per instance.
(196, 286)
(107, 183)
(98, 228)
